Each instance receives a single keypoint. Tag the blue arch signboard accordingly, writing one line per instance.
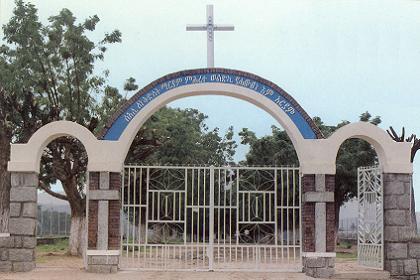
(211, 75)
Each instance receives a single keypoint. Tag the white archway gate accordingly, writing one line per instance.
(211, 218)
(317, 156)
(370, 231)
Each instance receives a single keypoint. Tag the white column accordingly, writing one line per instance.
(103, 206)
(210, 36)
(320, 216)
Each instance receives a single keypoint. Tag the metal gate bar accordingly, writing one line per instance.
(370, 237)
(211, 218)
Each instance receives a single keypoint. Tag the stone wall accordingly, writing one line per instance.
(403, 259)
(17, 251)
(402, 248)
(6, 242)
(102, 263)
(319, 267)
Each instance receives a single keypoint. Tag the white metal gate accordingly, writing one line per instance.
(370, 239)
(211, 218)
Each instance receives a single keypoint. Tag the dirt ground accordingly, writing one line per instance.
(58, 266)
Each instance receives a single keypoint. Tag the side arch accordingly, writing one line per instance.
(394, 157)
(27, 156)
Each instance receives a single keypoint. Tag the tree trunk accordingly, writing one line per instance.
(77, 242)
(4, 184)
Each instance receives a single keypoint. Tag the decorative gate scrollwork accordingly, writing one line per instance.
(370, 237)
(211, 218)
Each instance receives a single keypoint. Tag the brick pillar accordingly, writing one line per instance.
(17, 251)
(103, 222)
(318, 225)
(402, 249)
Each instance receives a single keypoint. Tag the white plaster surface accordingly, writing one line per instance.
(316, 156)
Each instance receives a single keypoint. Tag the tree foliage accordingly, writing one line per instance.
(277, 150)
(180, 136)
(274, 150)
(47, 74)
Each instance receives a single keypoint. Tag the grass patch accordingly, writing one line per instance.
(60, 246)
(347, 256)
(345, 245)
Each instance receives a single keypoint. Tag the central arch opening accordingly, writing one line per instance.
(192, 202)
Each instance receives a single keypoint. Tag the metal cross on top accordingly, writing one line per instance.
(210, 27)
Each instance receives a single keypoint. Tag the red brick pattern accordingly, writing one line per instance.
(308, 227)
(92, 224)
(114, 214)
(93, 212)
(114, 181)
(308, 215)
(308, 183)
(329, 183)
(94, 181)
(331, 232)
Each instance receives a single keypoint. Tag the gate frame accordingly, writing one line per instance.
(297, 221)
(368, 261)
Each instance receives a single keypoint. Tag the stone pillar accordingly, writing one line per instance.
(6, 243)
(401, 249)
(17, 252)
(103, 222)
(318, 222)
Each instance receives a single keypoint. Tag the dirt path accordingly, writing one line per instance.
(61, 267)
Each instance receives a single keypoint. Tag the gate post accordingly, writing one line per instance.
(318, 225)
(103, 220)
(402, 250)
(211, 219)
(17, 249)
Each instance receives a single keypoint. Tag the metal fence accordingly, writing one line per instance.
(53, 222)
(211, 218)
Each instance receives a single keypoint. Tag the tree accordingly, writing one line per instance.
(180, 136)
(352, 154)
(274, 150)
(174, 136)
(277, 150)
(47, 74)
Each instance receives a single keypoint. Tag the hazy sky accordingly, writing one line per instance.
(336, 58)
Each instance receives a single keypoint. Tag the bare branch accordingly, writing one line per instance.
(48, 190)
(395, 136)
(411, 139)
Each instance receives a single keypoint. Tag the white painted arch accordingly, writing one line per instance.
(106, 155)
(26, 157)
(212, 89)
(321, 154)
(316, 156)
(394, 157)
